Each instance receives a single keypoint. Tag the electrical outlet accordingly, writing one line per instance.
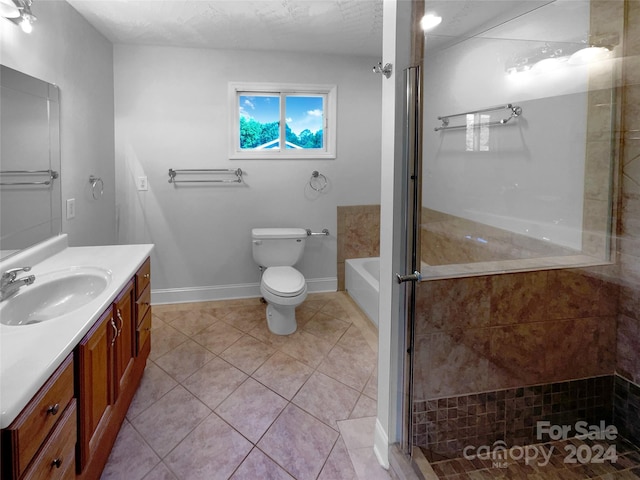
(143, 184)
(71, 208)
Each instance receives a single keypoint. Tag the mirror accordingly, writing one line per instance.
(30, 197)
(517, 144)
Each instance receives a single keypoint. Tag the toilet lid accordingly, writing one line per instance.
(283, 281)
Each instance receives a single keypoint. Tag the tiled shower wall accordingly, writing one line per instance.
(358, 235)
(628, 338)
(503, 331)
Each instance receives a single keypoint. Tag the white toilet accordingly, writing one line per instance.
(276, 250)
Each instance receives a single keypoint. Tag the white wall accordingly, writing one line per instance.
(65, 50)
(171, 110)
(530, 179)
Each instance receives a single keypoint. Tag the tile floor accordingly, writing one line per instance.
(222, 397)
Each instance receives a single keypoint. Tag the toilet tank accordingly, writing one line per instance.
(278, 247)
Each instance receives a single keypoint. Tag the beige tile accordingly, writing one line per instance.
(358, 432)
(131, 457)
(155, 383)
(170, 419)
(192, 322)
(214, 382)
(247, 354)
(164, 339)
(306, 348)
(335, 308)
(217, 337)
(213, 450)
(185, 359)
(338, 465)
(251, 409)
(326, 399)
(299, 443)
(365, 407)
(366, 465)
(371, 388)
(258, 466)
(262, 333)
(160, 472)
(326, 327)
(349, 366)
(246, 318)
(283, 374)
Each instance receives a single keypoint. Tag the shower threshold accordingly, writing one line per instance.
(571, 459)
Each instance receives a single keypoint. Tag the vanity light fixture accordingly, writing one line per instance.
(25, 17)
(592, 53)
(552, 56)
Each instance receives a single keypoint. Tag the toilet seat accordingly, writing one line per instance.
(283, 281)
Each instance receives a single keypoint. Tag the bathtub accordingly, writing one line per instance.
(362, 282)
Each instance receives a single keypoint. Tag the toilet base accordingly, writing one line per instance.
(281, 320)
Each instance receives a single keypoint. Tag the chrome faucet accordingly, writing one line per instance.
(9, 284)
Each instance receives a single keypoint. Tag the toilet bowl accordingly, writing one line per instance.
(283, 287)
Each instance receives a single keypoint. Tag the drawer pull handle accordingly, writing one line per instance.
(121, 321)
(57, 463)
(147, 276)
(115, 332)
(53, 409)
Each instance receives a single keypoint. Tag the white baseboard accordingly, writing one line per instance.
(381, 445)
(227, 292)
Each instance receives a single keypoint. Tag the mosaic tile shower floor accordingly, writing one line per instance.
(222, 397)
(624, 466)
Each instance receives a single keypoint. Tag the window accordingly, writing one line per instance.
(282, 121)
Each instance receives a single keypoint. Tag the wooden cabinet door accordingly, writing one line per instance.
(94, 385)
(124, 347)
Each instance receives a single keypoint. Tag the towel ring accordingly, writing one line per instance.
(318, 181)
(94, 181)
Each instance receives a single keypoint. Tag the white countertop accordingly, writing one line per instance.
(29, 354)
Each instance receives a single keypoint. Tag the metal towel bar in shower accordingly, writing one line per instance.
(51, 173)
(516, 111)
(229, 171)
(325, 232)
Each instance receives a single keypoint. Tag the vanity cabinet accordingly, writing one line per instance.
(40, 442)
(110, 364)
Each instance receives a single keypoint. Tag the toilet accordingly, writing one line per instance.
(276, 251)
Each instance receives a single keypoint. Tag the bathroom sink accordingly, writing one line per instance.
(53, 295)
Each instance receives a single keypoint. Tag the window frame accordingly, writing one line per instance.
(329, 92)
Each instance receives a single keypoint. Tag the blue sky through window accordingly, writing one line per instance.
(264, 109)
(304, 113)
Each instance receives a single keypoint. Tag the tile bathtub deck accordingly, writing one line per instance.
(222, 397)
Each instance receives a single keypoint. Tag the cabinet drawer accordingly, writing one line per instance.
(57, 458)
(25, 435)
(143, 277)
(143, 331)
(143, 302)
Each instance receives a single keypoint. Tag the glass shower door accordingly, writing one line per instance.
(517, 315)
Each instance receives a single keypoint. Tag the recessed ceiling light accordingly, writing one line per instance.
(430, 21)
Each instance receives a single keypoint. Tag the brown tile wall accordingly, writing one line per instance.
(502, 331)
(358, 235)
(446, 239)
(628, 364)
(447, 425)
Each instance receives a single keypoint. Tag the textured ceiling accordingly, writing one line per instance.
(351, 27)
